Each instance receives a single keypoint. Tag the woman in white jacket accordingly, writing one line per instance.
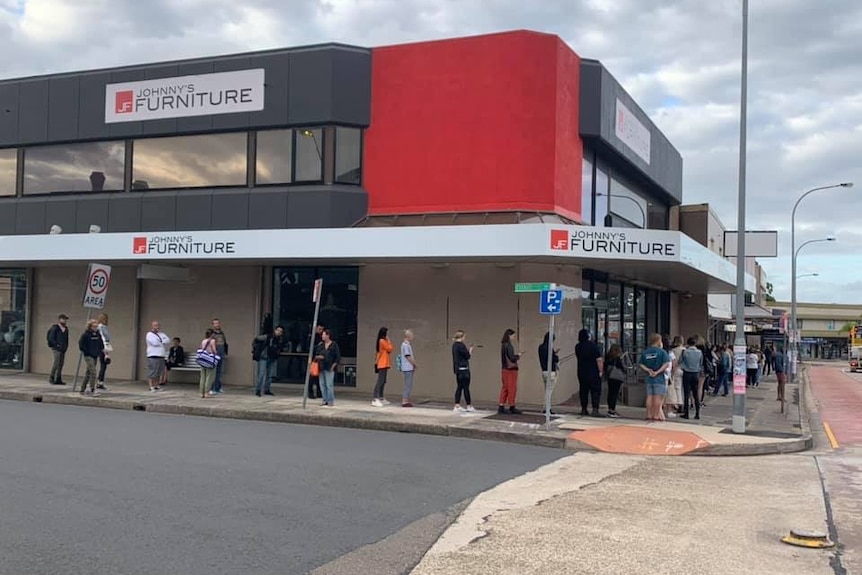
(105, 357)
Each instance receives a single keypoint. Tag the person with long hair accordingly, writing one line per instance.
(382, 363)
(509, 377)
(328, 355)
(461, 355)
(549, 377)
(105, 356)
(208, 374)
(589, 372)
(615, 375)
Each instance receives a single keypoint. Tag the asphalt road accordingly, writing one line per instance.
(85, 490)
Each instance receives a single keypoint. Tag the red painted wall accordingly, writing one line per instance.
(486, 123)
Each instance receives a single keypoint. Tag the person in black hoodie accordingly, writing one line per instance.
(461, 355)
(549, 379)
(91, 346)
(58, 341)
(589, 356)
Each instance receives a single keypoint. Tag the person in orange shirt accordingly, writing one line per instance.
(382, 363)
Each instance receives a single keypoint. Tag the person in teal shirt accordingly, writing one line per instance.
(655, 361)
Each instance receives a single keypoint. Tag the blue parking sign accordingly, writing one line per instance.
(551, 302)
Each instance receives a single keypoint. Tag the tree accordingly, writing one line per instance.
(769, 297)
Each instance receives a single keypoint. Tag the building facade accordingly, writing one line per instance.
(419, 182)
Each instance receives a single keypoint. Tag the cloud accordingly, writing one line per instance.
(678, 58)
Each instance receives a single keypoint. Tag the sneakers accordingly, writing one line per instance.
(95, 392)
(671, 415)
(515, 411)
(257, 393)
(376, 403)
(406, 404)
(459, 409)
(212, 393)
(154, 389)
(471, 409)
(584, 412)
(384, 401)
(501, 409)
(101, 385)
(614, 415)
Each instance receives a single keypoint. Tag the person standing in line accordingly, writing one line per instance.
(328, 356)
(314, 391)
(91, 347)
(407, 363)
(780, 364)
(670, 395)
(221, 349)
(654, 361)
(267, 348)
(676, 374)
(615, 375)
(589, 372)
(549, 378)
(707, 376)
(157, 343)
(751, 368)
(105, 357)
(208, 374)
(691, 363)
(461, 355)
(760, 362)
(724, 371)
(768, 364)
(58, 342)
(382, 363)
(509, 377)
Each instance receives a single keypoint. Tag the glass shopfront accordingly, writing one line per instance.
(292, 308)
(13, 318)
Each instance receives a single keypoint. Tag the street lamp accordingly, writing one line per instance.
(813, 275)
(608, 219)
(310, 134)
(794, 341)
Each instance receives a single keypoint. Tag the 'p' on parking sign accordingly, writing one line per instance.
(96, 290)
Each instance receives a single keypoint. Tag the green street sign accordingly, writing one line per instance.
(532, 288)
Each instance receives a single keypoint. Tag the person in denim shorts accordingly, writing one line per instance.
(655, 361)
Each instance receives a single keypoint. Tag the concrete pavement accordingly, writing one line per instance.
(770, 430)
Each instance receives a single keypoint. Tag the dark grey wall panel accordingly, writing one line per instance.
(351, 87)
(232, 121)
(194, 210)
(309, 209)
(275, 90)
(310, 89)
(9, 114)
(91, 110)
(8, 213)
(30, 218)
(92, 209)
(230, 209)
(125, 129)
(349, 205)
(124, 213)
(589, 115)
(267, 209)
(63, 104)
(33, 111)
(166, 126)
(61, 211)
(159, 212)
(195, 123)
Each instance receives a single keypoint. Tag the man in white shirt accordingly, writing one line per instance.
(157, 351)
(408, 367)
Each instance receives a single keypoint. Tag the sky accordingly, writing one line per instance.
(680, 59)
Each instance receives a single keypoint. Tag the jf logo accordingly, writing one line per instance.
(559, 239)
(124, 102)
(139, 246)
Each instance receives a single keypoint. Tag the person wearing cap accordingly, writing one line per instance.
(58, 341)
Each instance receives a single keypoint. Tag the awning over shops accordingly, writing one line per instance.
(666, 259)
(756, 312)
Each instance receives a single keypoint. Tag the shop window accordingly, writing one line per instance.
(8, 171)
(614, 303)
(348, 156)
(274, 157)
(13, 320)
(640, 319)
(293, 309)
(88, 167)
(308, 159)
(209, 160)
(602, 199)
(626, 206)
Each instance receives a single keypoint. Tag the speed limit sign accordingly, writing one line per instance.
(98, 279)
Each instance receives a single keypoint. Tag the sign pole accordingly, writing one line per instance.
(548, 387)
(95, 293)
(80, 357)
(315, 297)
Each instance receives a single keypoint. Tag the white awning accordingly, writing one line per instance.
(666, 259)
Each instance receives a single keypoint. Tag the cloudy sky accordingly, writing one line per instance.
(678, 58)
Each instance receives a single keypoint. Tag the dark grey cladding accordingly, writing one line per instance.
(600, 92)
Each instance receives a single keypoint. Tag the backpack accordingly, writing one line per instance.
(257, 348)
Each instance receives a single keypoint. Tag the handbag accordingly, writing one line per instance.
(314, 370)
(205, 358)
(616, 373)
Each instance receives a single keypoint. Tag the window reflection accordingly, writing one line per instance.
(348, 156)
(309, 155)
(8, 167)
(190, 161)
(274, 157)
(602, 187)
(627, 204)
(587, 192)
(96, 167)
(13, 317)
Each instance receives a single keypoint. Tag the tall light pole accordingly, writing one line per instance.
(793, 335)
(631, 199)
(814, 275)
(794, 342)
(739, 340)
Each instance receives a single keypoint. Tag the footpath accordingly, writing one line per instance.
(769, 431)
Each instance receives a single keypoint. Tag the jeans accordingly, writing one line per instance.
(408, 385)
(751, 377)
(381, 382)
(219, 369)
(690, 383)
(327, 386)
(57, 368)
(103, 367)
(462, 380)
(590, 391)
(89, 374)
(207, 378)
(614, 386)
(721, 383)
(265, 373)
